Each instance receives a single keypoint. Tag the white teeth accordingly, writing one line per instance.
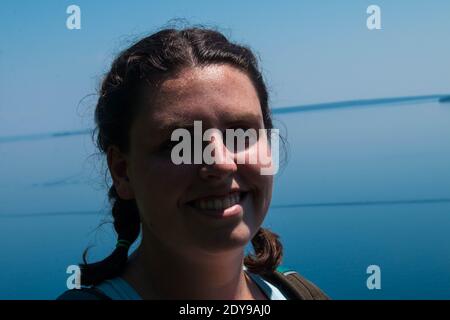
(219, 203)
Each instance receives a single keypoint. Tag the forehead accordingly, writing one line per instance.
(212, 94)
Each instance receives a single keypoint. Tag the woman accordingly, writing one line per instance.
(196, 219)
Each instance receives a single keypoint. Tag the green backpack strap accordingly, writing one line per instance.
(296, 287)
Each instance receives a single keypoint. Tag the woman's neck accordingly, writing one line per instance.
(157, 272)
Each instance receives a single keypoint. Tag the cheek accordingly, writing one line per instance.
(256, 160)
(158, 191)
(158, 185)
(260, 184)
(260, 155)
(266, 192)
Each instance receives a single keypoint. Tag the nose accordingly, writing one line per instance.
(224, 163)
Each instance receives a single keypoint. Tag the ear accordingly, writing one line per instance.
(118, 163)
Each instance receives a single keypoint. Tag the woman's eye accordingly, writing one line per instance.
(242, 138)
(238, 139)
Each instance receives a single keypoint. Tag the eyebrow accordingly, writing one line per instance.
(171, 126)
(245, 117)
(188, 124)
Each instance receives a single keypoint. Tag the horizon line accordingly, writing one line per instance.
(441, 98)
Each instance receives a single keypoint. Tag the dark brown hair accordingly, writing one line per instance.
(148, 61)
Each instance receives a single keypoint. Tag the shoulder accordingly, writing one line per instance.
(83, 294)
(110, 289)
(294, 285)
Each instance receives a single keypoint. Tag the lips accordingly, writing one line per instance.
(218, 203)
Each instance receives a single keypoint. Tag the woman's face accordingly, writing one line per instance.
(175, 201)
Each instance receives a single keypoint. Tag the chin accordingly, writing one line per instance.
(234, 239)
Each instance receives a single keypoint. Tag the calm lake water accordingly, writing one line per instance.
(363, 185)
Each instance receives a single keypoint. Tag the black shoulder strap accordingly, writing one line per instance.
(295, 286)
(83, 294)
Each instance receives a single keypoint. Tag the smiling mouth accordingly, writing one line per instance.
(218, 203)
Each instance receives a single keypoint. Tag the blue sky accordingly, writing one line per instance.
(311, 51)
